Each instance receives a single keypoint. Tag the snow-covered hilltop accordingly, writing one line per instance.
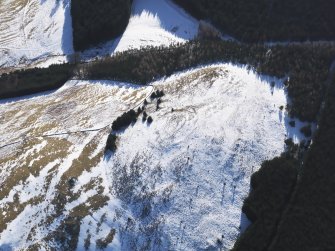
(178, 183)
(183, 178)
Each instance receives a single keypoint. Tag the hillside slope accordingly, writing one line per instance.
(34, 29)
(152, 23)
(157, 22)
(178, 183)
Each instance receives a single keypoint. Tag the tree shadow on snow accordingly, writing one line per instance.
(6, 247)
(67, 37)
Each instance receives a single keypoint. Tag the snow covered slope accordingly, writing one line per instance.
(157, 22)
(34, 29)
(40, 31)
(183, 178)
(36, 201)
(152, 23)
(176, 184)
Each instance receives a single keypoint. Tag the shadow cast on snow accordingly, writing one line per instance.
(67, 37)
(163, 12)
(6, 247)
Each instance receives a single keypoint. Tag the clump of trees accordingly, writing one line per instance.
(262, 20)
(157, 94)
(304, 67)
(306, 130)
(96, 21)
(125, 120)
(103, 243)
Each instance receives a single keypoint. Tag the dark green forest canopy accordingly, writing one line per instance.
(268, 20)
(306, 222)
(30, 81)
(305, 67)
(309, 222)
(271, 187)
(96, 21)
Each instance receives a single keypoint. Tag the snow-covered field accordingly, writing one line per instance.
(176, 184)
(34, 29)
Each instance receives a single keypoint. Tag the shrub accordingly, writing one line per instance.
(125, 120)
(72, 182)
(145, 115)
(306, 130)
(292, 123)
